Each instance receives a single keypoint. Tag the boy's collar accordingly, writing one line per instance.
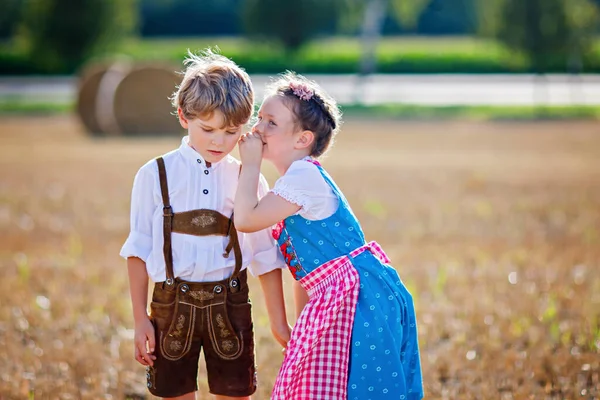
(193, 156)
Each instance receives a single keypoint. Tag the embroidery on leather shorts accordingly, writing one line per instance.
(179, 326)
(176, 345)
(204, 220)
(202, 295)
(227, 345)
(221, 323)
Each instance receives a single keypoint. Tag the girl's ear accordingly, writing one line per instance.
(182, 120)
(305, 140)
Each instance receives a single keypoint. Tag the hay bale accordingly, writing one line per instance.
(141, 101)
(105, 97)
(87, 90)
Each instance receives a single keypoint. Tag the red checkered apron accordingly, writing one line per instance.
(316, 361)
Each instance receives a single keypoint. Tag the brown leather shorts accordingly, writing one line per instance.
(190, 316)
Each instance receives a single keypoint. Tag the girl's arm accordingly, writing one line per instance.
(250, 214)
(300, 298)
(272, 286)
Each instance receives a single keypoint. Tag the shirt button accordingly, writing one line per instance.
(205, 172)
(199, 161)
(205, 191)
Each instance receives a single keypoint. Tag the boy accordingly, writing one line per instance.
(184, 239)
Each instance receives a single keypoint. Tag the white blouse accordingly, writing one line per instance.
(303, 184)
(193, 185)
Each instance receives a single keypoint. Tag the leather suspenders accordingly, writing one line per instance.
(202, 222)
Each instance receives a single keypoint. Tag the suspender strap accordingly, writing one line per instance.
(235, 244)
(237, 252)
(167, 221)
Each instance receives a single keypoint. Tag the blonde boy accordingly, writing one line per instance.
(183, 238)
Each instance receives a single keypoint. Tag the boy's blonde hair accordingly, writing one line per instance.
(214, 82)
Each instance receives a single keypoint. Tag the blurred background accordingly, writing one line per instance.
(470, 151)
(456, 52)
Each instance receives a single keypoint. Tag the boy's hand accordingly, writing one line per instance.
(282, 333)
(144, 342)
(251, 148)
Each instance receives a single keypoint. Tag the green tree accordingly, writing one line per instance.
(583, 17)
(553, 34)
(293, 23)
(9, 15)
(60, 35)
(370, 15)
(408, 11)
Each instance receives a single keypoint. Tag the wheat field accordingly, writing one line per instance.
(494, 227)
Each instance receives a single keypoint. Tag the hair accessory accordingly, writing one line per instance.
(302, 91)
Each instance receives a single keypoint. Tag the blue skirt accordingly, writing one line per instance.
(384, 354)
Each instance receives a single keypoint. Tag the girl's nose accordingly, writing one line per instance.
(255, 128)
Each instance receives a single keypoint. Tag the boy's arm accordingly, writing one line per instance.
(144, 339)
(136, 250)
(272, 286)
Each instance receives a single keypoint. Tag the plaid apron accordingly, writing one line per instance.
(317, 357)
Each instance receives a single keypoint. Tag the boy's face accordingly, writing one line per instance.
(208, 136)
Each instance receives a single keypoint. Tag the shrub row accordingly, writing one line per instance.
(334, 56)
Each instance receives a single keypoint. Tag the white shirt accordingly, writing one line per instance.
(303, 184)
(193, 186)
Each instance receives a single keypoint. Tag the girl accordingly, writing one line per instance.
(356, 335)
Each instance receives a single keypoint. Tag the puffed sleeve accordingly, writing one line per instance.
(139, 241)
(304, 185)
(266, 254)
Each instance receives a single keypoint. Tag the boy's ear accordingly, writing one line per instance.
(182, 120)
(305, 140)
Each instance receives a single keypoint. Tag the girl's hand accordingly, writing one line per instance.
(282, 333)
(251, 148)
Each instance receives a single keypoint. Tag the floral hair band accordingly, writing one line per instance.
(302, 91)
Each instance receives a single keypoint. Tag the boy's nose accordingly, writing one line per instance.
(218, 140)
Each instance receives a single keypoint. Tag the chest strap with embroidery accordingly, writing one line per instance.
(202, 222)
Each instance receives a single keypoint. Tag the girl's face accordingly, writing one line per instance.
(276, 127)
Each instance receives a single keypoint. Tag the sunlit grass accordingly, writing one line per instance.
(22, 106)
(494, 227)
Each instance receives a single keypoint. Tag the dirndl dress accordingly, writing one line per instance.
(356, 338)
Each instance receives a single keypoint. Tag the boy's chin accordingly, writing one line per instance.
(214, 157)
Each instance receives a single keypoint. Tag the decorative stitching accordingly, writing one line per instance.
(202, 295)
(239, 339)
(179, 326)
(204, 220)
(228, 345)
(221, 323)
(288, 251)
(175, 345)
(187, 343)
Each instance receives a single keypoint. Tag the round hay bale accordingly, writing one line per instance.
(87, 90)
(141, 101)
(105, 98)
